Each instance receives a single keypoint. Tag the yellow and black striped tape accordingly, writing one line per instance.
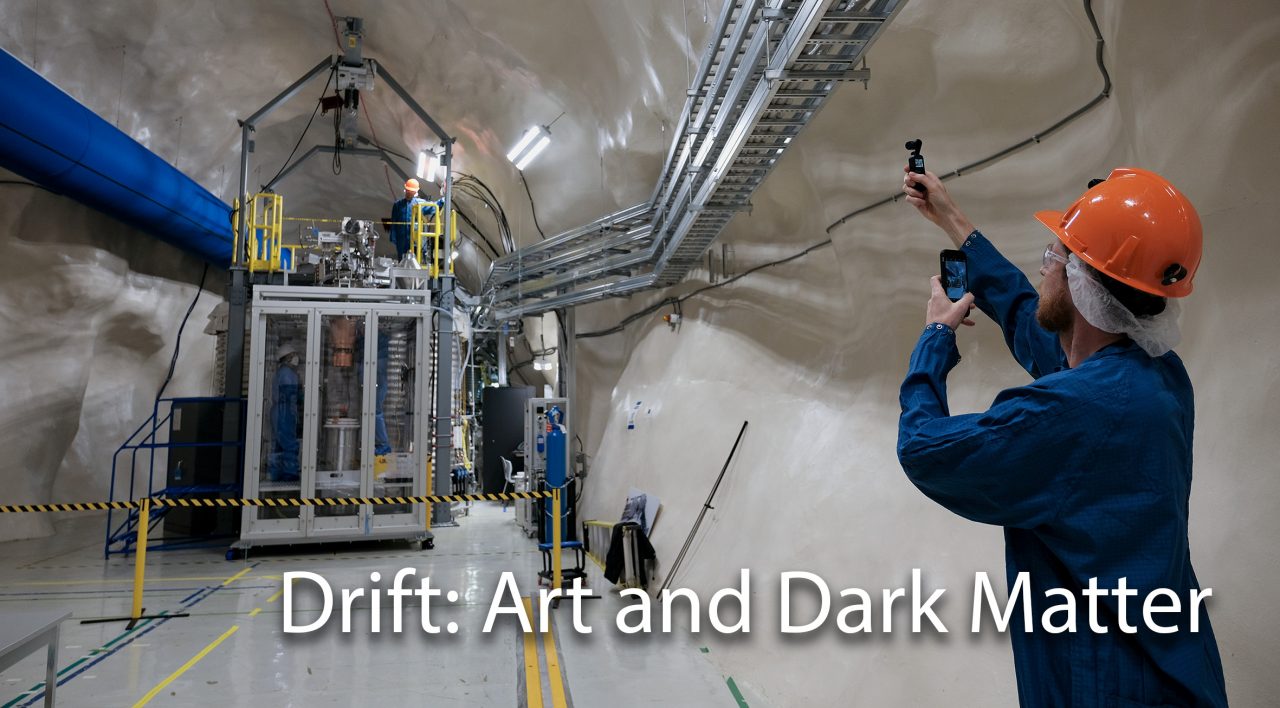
(270, 501)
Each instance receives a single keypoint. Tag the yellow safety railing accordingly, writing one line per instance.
(425, 242)
(266, 225)
(422, 229)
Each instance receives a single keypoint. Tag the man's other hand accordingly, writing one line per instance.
(938, 206)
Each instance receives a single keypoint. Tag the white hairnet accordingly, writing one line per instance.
(1156, 335)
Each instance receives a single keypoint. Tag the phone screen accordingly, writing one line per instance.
(955, 275)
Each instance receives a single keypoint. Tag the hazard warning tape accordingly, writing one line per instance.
(273, 501)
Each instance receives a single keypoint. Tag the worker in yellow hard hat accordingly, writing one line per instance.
(1087, 467)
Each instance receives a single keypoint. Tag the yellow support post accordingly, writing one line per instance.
(140, 558)
(430, 491)
(555, 540)
(453, 239)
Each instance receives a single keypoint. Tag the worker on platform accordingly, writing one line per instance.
(402, 214)
(283, 462)
(1088, 467)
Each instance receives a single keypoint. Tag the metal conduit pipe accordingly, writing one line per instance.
(50, 138)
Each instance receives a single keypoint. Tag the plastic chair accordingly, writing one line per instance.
(514, 481)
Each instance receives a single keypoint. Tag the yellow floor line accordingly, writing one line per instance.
(553, 669)
(255, 612)
(276, 596)
(33, 583)
(532, 676)
(183, 669)
(237, 576)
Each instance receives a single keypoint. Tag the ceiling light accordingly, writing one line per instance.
(532, 143)
(428, 165)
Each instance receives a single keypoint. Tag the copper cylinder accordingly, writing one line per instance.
(342, 332)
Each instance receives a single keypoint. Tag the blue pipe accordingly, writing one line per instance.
(51, 139)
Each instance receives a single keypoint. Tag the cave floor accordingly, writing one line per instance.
(232, 650)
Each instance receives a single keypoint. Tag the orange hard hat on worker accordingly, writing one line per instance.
(411, 185)
(1135, 227)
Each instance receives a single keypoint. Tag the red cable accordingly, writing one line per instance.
(333, 22)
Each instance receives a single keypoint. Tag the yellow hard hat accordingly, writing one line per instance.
(411, 185)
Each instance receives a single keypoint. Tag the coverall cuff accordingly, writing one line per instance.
(975, 241)
(936, 352)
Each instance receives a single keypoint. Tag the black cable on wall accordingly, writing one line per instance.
(958, 172)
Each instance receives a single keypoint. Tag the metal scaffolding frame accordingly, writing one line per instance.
(767, 71)
(238, 286)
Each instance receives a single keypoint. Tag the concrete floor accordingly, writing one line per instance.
(232, 650)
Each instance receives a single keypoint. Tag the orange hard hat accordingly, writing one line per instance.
(411, 185)
(1135, 227)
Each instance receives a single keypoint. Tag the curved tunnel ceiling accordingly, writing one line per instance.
(176, 77)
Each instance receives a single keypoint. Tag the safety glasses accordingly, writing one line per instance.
(1050, 256)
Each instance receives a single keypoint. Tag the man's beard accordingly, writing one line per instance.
(1055, 312)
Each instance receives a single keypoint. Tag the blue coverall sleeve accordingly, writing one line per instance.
(1000, 467)
(1007, 297)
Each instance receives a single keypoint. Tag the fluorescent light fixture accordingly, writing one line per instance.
(433, 168)
(532, 143)
(423, 157)
(528, 137)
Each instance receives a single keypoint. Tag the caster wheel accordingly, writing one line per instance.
(428, 544)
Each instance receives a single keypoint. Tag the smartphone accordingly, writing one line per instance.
(955, 273)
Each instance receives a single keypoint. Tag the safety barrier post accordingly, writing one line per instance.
(430, 507)
(555, 539)
(140, 559)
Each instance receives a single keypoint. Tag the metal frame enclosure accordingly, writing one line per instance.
(315, 304)
(535, 463)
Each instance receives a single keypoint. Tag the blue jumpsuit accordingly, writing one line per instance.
(282, 465)
(401, 214)
(1089, 472)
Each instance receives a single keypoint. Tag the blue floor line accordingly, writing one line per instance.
(197, 592)
(102, 657)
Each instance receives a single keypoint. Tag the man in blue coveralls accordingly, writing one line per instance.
(286, 411)
(1088, 467)
(402, 215)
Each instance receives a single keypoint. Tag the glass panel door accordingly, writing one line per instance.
(397, 454)
(279, 464)
(340, 435)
